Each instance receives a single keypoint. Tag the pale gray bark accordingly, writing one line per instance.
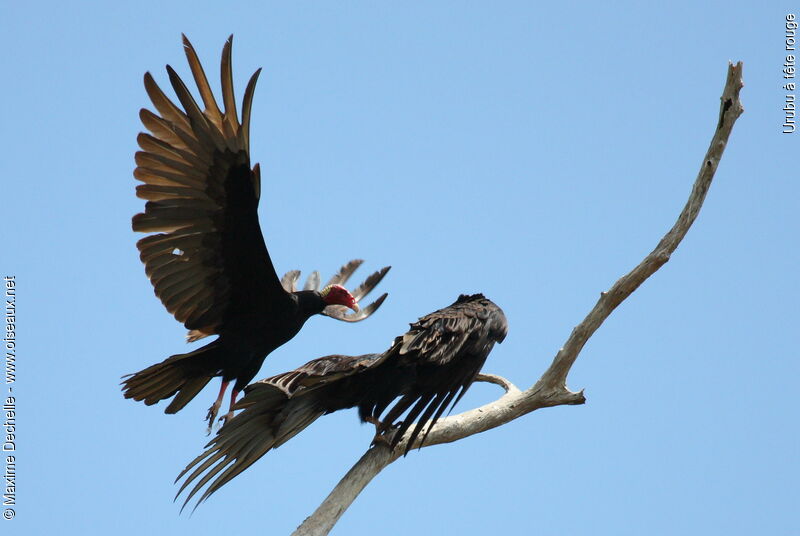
(550, 389)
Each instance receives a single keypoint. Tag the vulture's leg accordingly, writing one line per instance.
(214, 409)
(380, 429)
(374, 421)
(228, 416)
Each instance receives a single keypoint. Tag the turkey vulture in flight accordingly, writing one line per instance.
(208, 262)
(429, 368)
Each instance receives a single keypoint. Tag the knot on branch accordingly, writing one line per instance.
(561, 396)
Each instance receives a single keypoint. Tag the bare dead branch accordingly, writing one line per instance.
(550, 390)
(497, 380)
(730, 110)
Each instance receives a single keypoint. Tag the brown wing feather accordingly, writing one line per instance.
(275, 410)
(208, 260)
(339, 312)
(320, 371)
(447, 349)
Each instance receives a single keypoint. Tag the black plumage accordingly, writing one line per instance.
(208, 262)
(425, 371)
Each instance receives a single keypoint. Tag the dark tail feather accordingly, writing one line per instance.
(269, 420)
(185, 374)
(187, 392)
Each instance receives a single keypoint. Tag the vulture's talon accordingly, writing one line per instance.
(375, 422)
(381, 439)
(225, 418)
(212, 414)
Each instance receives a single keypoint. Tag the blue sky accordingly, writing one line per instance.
(533, 153)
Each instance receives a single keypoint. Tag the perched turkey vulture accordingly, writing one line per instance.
(429, 368)
(208, 262)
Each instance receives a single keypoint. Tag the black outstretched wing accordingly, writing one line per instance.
(339, 312)
(275, 410)
(208, 260)
(447, 349)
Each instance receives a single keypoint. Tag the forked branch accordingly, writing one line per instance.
(550, 390)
